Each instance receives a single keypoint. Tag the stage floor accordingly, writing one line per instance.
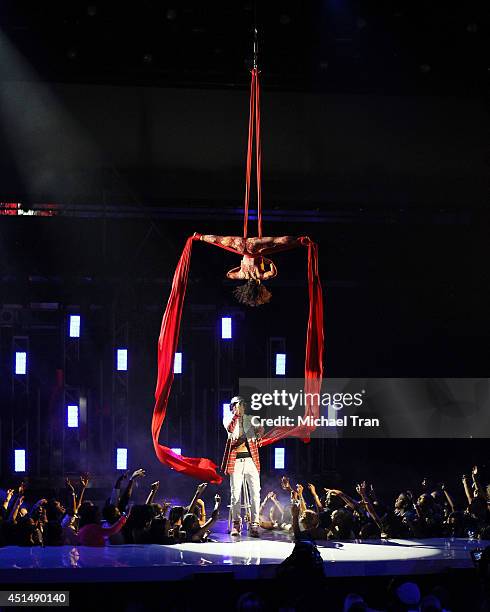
(247, 558)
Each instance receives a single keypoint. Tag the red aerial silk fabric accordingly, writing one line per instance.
(313, 355)
(205, 469)
(253, 124)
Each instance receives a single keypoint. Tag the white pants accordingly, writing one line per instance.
(245, 469)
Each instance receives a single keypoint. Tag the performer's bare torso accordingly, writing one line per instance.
(241, 443)
(241, 448)
(254, 264)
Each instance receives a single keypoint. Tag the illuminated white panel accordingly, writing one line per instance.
(279, 458)
(280, 364)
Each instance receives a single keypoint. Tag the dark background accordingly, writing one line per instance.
(127, 126)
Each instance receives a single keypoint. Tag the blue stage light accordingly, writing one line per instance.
(178, 451)
(279, 458)
(20, 362)
(178, 363)
(280, 364)
(19, 460)
(74, 330)
(227, 414)
(226, 331)
(121, 458)
(72, 416)
(122, 360)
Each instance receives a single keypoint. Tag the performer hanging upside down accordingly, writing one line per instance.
(241, 461)
(254, 267)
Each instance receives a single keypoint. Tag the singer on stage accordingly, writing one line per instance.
(241, 461)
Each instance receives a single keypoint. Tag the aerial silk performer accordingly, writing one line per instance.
(255, 268)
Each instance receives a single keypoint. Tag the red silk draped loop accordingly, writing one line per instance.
(253, 124)
(202, 468)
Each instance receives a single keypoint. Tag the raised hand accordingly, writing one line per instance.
(140, 473)
(299, 489)
(474, 470)
(202, 487)
(312, 488)
(43, 518)
(10, 492)
(361, 489)
(120, 478)
(217, 498)
(155, 485)
(69, 485)
(84, 479)
(285, 484)
(38, 507)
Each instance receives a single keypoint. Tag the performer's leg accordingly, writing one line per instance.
(252, 478)
(230, 243)
(271, 244)
(236, 481)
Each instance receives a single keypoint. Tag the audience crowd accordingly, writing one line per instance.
(80, 522)
(306, 513)
(335, 515)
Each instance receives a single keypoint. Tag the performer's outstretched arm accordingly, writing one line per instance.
(271, 244)
(270, 273)
(236, 274)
